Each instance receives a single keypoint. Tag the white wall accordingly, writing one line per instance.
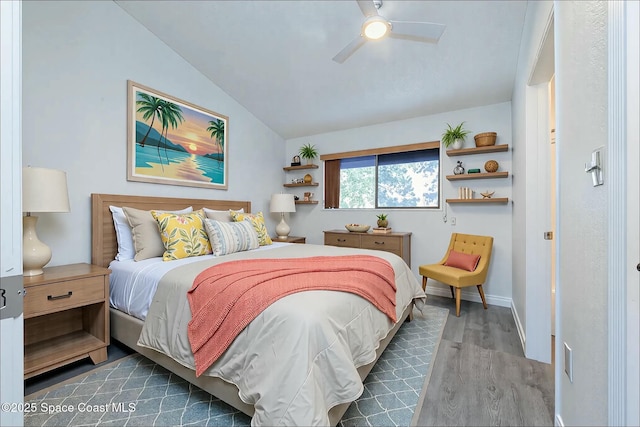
(78, 57)
(581, 94)
(430, 234)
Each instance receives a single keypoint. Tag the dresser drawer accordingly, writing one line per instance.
(382, 243)
(398, 243)
(342, 239)
(56, 296)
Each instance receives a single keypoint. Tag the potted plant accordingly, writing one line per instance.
(382, 221)
(454, 136)
(308, 152)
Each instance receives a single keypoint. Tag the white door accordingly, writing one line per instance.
(11, 322)
(539, 300)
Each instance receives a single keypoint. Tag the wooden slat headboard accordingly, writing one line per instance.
(104, 245)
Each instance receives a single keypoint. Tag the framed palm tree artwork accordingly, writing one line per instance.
(171, 141)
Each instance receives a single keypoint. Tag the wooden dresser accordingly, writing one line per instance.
(66, 317)
(398, 243)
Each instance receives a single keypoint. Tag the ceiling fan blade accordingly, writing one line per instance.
(349, 49)
(367, 7)
(420, 31)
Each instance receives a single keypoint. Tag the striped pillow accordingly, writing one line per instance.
(257, 220)
(229, 237)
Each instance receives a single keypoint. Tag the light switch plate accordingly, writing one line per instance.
(568, 361)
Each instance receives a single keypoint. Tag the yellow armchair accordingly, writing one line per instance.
(456, 277)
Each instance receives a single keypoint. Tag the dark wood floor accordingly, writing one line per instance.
(480, 375)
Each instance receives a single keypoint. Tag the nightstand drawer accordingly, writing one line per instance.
(382, 243)
(345, 240)
(56, 296)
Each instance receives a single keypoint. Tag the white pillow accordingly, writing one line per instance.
(229, 237)
(126, 248)
(224, 216)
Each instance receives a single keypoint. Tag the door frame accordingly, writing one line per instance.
(623, 210)
(633, 213)
(11, 326)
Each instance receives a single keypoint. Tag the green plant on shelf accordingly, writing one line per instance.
(308, 152)
(451, 134)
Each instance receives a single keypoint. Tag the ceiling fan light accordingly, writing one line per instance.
(375, 28)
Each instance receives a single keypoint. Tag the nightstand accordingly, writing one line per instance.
(291, 239)
(66, 317)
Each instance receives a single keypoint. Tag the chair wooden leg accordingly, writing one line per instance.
(424, 282)
(452, 294)
(458, 292)
(484, 301)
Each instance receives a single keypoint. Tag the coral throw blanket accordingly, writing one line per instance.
(225, 298)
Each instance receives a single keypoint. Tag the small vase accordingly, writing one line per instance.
(458, 170)
(382, 223)
(457, 144)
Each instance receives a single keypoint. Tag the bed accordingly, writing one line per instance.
(228, 379)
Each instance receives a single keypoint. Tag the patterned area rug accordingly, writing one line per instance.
(134, 391)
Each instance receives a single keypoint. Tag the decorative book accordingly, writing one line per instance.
(381, 230)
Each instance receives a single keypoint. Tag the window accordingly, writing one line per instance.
(393, 177)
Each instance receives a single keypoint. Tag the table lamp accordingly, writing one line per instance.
(282, 203)
(43, 190)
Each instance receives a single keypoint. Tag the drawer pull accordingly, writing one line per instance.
(51, 298)
(379, 243)
(342, 240)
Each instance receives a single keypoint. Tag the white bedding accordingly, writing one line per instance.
(299, 357)
(133, 283)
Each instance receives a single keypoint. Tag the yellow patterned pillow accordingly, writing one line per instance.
(257, 220)
(183, 236)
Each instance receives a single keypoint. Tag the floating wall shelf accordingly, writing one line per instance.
(478, 150)
(497, 200)
(477, 176)
(306, 202)
(301, 167)
(311, 184)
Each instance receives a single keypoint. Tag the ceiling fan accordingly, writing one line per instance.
(377, 27)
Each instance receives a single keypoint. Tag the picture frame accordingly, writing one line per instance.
(171, 141)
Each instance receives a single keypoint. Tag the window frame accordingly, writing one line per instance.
(332, 171)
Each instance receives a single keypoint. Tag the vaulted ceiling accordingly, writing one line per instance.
(275, 57)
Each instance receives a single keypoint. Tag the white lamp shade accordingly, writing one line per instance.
(282, 203)
(44, 190)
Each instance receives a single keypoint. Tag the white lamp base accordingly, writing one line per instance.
(283, 229)
(35, 254)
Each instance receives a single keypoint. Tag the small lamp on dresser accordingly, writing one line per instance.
(282, 203)
(43, 190)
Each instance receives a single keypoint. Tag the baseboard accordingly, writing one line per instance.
(521, 333)
(470, 295)
(559, 422)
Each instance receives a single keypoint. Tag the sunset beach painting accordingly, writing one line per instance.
(171, 141)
